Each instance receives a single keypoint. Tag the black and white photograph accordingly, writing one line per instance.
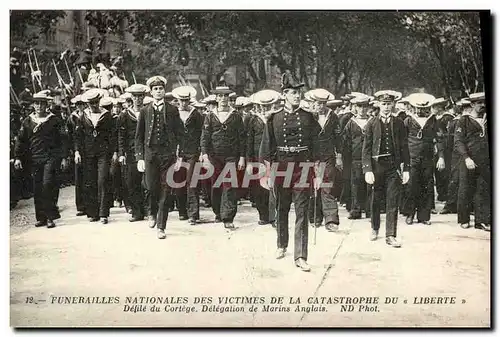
(250, 168)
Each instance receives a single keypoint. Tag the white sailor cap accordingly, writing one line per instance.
(42, 96)
(361, 100)
(421, 100)
(439, 101)
(184, 93)
(147, 100)
(319, 95)
(478, 96)
(77, 99)
(105, 101)
(265, 97)
(92, 95)
(137, 89)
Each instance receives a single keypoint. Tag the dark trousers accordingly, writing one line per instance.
(326, 203)
(474, 186)
(442, 178)
(420, 189)
(359, 190)
(158, 188)
(116, 183)
(79, 188)
(346, 182)
(261, 197)
(188, 198)
(300, 198)
(96, 182)
(44, 186)
(387, 185)
(452, 193)
(134, 191)
(273, 206)
(224, 197)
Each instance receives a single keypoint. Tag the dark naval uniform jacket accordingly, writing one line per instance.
(372, 143)
(168, 136)
(290, 133)
(226, 139)
(255, 131)
(100, 140)
(127, 125)
(329, 137)
(471, 140)
(421, 141)
(41, 141)
(192, 129)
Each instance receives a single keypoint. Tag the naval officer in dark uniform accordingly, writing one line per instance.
(158, 138)
(291, 136)
(385, 148)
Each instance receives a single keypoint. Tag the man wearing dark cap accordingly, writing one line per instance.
(385, 148)
(95, 146)
(157, 140)
(472, 143)
(291, 137)
(42, 140)
(223, 143)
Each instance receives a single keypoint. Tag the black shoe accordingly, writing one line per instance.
(80, 213)
(373, 235)
(302, 264)
(50, 224)
(273, 223)
(94, 219)
(446, 211)
(409, 220)
(391, 241)
(426, 222)
(263, 222)
(353, 216)
(483, 226)
(254, 205)
(280, 253)
(218, 219)
(104, 220)
(136, 218)
(183, 217)
(466, 225)
(192, 222)
(433, 211)
(41, 223)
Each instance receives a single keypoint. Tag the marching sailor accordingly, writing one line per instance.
(223, 145)
(188, 202)
(472, 144)
(423, 130)
(42, 140)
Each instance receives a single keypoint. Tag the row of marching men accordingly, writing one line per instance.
(368, 138)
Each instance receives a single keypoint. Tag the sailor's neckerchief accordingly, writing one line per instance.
(216, 113)
(40, 120)
(93, 119)
(189, 112)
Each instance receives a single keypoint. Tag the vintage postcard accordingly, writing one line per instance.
(250, 168)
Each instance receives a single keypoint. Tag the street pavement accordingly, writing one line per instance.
(441, 262)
